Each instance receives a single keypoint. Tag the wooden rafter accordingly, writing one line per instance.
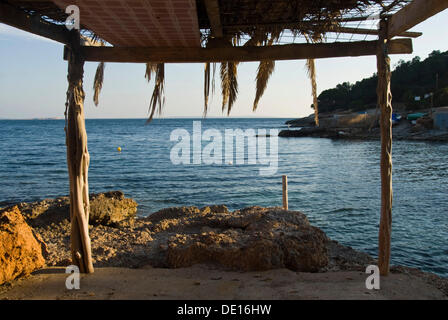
(212, 7)
(242, 54)
(414, 13)
(33, 24)
(336, 29)
(373, 32)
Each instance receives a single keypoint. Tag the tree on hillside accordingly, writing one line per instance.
(409, 79)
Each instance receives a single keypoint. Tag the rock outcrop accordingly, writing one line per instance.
(109, 209)
(354, 126)
(254, 238)
(251, 239)
(21, 249)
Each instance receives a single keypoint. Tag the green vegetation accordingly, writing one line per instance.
(414, 78)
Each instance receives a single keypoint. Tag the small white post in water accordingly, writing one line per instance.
(285, 192)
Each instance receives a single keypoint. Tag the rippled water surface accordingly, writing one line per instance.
(336, 183)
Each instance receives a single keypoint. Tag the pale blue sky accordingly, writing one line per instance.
(33, 80)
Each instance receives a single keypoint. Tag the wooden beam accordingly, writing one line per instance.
(295, 24)
(241, 54)
(335, 29)
(372, 32)
(32, 23)
(414, 13)
(214, 17)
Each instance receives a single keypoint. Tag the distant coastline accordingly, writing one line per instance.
(364, 125)
(28, 119)
(155, 119)
(54, 118)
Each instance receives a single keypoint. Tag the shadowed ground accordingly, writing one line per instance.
(206, 282)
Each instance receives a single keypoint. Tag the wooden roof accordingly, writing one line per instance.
(188, 30)
(131, 23)
(180, 23)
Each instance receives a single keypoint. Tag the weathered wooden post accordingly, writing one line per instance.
(285, 191)
(77, 158)
(385, 105)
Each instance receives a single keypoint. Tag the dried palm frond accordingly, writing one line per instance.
(229, 84)
(225, 85)
(98, 82)
(260, 37)
(95, 38)
(233, 79)
(311, 70)
(206, 86)
(265, 70)
(275, 36)
(157, 98)
(311, 17)
(151, 68)
(99, 74)
(256, 39)
(213, 78)
(207, 80)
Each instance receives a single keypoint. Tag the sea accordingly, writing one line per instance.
(336, 183)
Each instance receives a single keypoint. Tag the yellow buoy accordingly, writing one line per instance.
(119, 149)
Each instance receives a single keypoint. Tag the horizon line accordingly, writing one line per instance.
(164, 118)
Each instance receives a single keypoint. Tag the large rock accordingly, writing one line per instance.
(109, 209)
(21, 250)
(251, 239)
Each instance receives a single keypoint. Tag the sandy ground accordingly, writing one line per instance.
(205, 282)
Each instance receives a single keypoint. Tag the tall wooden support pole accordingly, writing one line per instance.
(77, 159)
(385, 105)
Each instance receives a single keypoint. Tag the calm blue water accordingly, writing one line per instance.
(336, 183)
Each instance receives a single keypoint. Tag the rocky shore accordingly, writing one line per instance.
(361, 127)
(246, 240)
(253, 238)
